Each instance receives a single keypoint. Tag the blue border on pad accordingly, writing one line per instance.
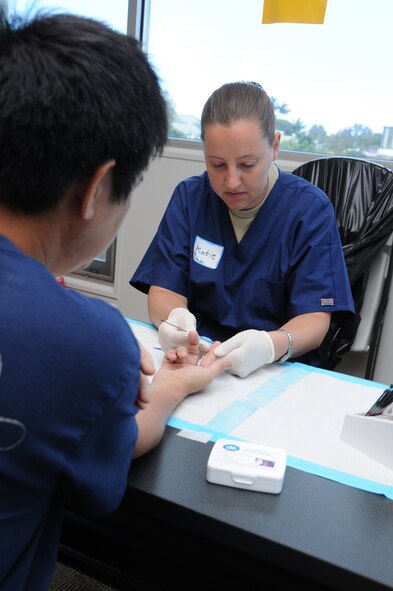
(343, 377)
(341, 477)
(141, 323)
(183, 425)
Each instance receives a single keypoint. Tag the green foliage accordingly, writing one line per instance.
(357, 140)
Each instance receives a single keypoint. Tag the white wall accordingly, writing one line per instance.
(148, 204)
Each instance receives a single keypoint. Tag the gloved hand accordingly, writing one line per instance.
(249, 350)
(170, 337)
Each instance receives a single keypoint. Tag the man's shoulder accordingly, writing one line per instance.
(97, 321)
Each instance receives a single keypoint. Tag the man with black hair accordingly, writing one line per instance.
(81, 117)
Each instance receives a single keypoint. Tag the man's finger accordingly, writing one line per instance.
(193, 347)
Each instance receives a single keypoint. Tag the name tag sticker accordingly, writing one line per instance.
(206, 253)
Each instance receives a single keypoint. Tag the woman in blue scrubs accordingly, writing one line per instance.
(246, 253)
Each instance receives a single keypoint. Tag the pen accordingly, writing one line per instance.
(383, 401)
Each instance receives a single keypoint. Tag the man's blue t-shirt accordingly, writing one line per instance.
(69, 375)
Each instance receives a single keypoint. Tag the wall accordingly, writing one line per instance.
(148, 204)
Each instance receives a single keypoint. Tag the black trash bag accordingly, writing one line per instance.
(362, 196)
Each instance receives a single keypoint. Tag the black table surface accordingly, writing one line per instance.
(315, 534)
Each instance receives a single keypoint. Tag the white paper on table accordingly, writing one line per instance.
(305, 417)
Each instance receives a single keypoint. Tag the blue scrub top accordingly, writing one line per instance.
(289, 262)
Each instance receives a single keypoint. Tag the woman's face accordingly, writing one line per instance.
(238, 160)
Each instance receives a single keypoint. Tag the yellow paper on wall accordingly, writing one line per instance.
(294, 11)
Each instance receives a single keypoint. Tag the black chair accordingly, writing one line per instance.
(361, 192)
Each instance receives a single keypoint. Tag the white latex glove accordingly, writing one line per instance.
(170, 337)
(249, 350)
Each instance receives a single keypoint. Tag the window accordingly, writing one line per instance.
(103, 266)
(330, 83)
(114, 14)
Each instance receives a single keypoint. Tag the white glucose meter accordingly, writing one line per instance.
(247, 465)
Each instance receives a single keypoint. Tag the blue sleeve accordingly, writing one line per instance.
(96, 468)
(317, 277)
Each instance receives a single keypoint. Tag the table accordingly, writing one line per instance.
(175, 530)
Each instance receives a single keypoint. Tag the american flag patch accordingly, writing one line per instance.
(327, 301)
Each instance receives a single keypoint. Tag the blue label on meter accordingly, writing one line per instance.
(231, 447)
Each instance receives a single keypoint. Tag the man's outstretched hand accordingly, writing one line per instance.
(188, 369)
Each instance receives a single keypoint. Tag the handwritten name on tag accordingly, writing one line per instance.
(206, 253)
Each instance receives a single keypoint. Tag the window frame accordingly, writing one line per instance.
(140, 9)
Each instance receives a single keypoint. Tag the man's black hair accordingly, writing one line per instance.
(73, 94)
